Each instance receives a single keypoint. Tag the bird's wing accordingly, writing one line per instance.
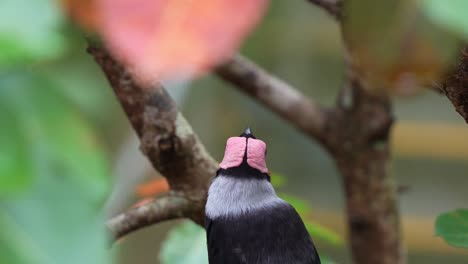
(274, 236)
(299, 236)
(221, 248)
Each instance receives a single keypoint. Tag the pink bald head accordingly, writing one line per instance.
(235, 150)
(256, 152)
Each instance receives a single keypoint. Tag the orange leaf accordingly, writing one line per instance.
(176, 38)
(153, 187)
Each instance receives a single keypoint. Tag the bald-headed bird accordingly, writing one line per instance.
(246, 222)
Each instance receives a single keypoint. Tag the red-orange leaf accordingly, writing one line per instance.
(176, 38)
(153, 187)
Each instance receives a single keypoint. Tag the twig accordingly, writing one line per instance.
(277, 95)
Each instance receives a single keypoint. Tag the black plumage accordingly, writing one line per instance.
(274, 235)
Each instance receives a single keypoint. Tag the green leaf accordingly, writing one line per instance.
(50, 211)
(29, 31)
(186, 244)
(15, 165)
(453, 227)
(51, 133)
(319, 232)
(448, 14)
(326, 260)
(316, 230)
(13, 240)
(300, 205)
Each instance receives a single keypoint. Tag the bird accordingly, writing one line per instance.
(245, 221)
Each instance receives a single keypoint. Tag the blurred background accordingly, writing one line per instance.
(69, 159)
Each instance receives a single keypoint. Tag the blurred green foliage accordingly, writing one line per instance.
(29, 31)
(48, 131)
(448, 14)
(185, 244)
(53, 187)
(453, 227)
(316, 230)
(54, 176)
(277, 180)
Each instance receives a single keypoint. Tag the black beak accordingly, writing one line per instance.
(247, 133)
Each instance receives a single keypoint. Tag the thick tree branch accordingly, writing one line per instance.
(333, 7)
(361, 151)
(277, 95)
(169, 143)
(455, 86)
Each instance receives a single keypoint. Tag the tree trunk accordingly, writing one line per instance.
(361, 150)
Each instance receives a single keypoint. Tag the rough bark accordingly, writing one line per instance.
(360, 147)
(455, 86)
(168, 142)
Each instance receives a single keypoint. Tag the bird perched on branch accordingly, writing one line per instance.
(246, 222)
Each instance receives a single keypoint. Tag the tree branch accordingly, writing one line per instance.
(168, 142)
(277, 95)
(333, 7)
(360, 140)
(455, 86)
(163, 208)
